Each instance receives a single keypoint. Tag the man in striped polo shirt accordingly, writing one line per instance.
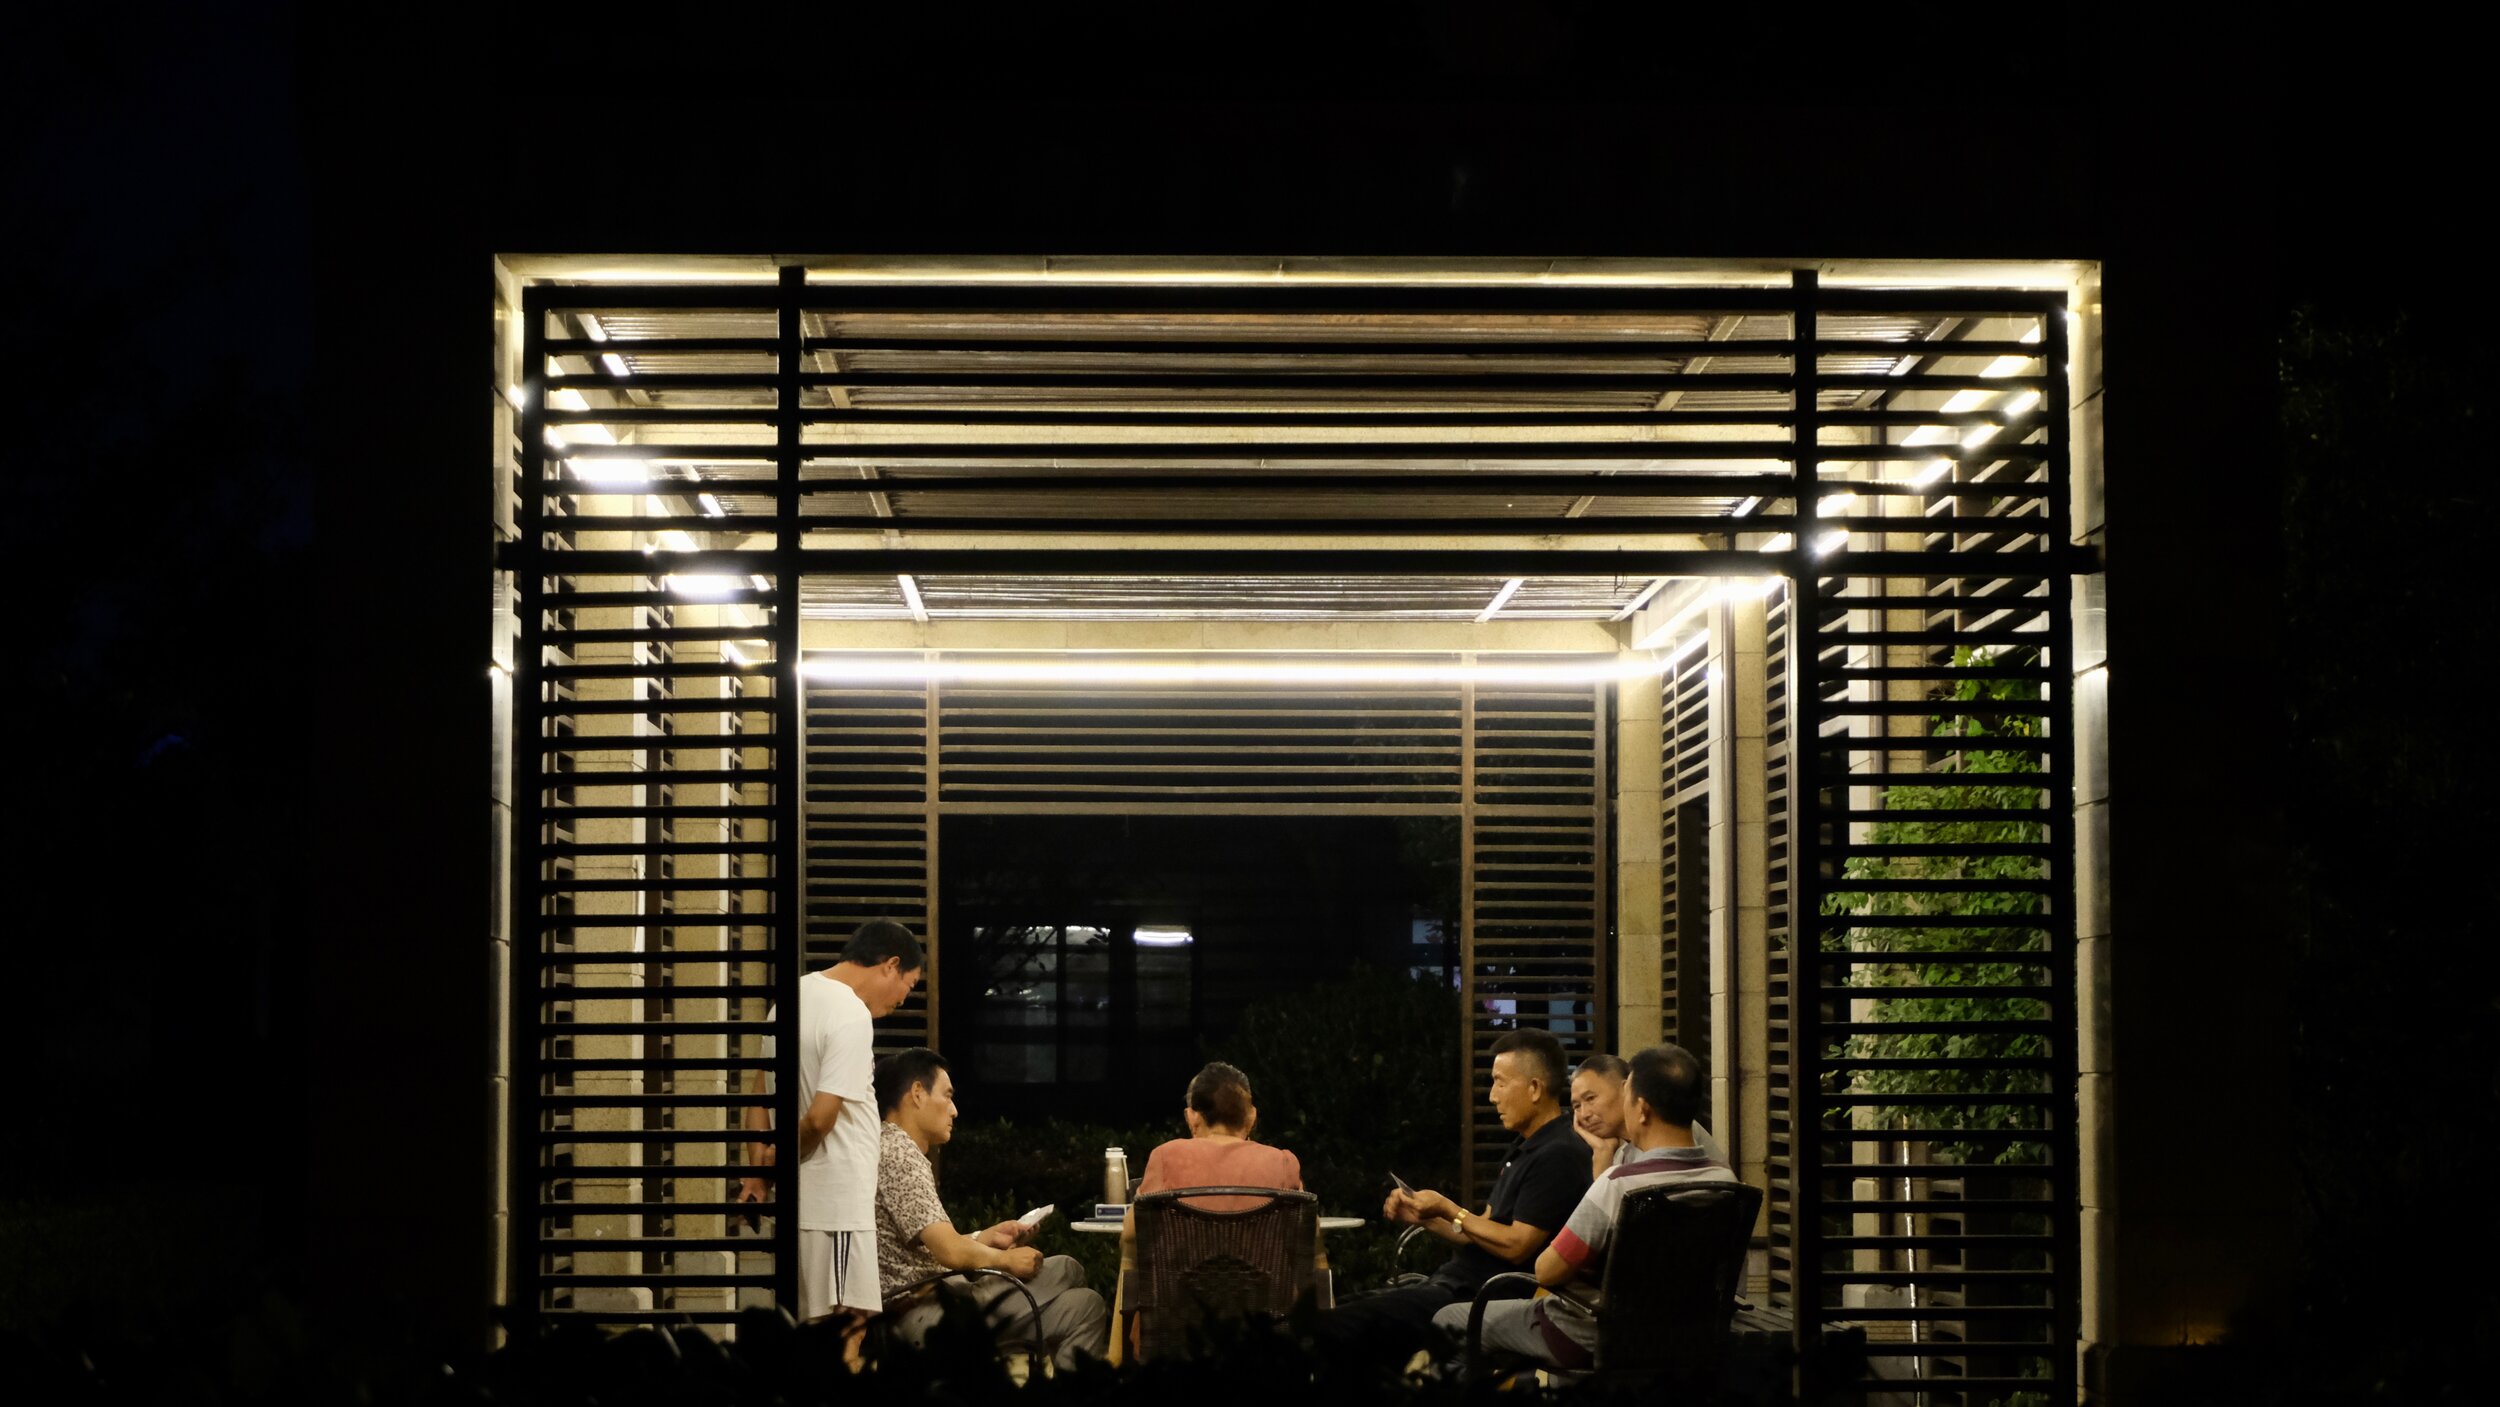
(1661, 1098)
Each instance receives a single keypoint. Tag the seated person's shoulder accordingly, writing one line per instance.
(899, 1158)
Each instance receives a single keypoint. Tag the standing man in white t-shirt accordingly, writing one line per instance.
(837, 1112)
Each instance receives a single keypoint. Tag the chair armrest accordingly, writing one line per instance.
(1565, 1292)
(1397, 1257)
(1509, 1285)
(1032, 1306)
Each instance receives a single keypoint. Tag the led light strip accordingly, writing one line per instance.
(837, 669)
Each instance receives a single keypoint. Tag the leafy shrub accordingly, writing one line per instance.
(1357, 1076)
(1981, 779)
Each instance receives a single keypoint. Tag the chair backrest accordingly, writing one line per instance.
(1671, 1278)
(1194, 1263)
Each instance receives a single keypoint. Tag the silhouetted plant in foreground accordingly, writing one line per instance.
(260, 1355)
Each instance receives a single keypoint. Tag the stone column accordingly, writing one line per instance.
(1639, 796)
(1740, 970)
(2089, 755)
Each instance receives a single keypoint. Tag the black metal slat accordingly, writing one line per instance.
(570, 885)
(575, 850)
(560, 1245)
(1502, 561)
(658, 1028)
(545, 1210)
(726, 1100)
(961, 300)
(2010, 1026)
(1506, 526)
(1994, 1173)
(1805, 863)
(690, 669)
(529, 723)
(912, 451)
(561, 923)
(655, 1062)
(593, 346)
(789, 760)
(2007, 1240)
(1916, 921)
(652, 992)
(1398, 484)
(646, 1281)
(644, 1316)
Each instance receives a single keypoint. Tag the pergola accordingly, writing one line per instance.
(1689, 591)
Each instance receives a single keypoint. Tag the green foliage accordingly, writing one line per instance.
(1981, 778)
(1357, 1076)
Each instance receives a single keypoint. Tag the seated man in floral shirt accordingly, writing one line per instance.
(916, 1239)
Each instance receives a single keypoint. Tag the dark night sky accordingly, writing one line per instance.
(210, 211)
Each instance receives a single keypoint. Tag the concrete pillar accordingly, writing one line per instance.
(2089, 755)
(1740, 969)
(1639, 800)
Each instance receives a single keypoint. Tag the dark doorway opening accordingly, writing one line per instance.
(1091, 961)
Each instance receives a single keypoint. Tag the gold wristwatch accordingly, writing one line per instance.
(1458, 1222)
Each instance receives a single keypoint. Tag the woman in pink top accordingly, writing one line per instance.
(1218, 1151)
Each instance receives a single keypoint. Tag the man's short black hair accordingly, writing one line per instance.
(1670, 1079)
(881, 938)
(1613, 1067)
(1544, 1056)
(897, 1073)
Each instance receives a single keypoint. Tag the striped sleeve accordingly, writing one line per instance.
(1591, 1225)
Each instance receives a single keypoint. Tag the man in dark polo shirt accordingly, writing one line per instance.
(1541, 1180)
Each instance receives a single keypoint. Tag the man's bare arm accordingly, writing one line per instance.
(756, 1118)
(956, 1251)
(1514, 1241)
(1551, 1268)
(816, 1125)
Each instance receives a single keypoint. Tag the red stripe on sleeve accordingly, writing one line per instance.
(1571, 1248)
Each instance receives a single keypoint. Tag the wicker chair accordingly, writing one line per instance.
(1032, 1307)
(1195, 1264)
(1669, 1288)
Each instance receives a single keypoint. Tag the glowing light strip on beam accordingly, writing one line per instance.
(836, 669)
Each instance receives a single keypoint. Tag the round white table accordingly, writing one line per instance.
(1112, 1228)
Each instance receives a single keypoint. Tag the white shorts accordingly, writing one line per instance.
(837, 1268)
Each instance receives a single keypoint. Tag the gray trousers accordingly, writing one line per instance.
(1074, 1318)
(1510, 1326)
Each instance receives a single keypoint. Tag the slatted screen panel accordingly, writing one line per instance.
(1293, 746)
(1779, 682)
(1534, 869)
(650, 909)
(1683, 869)
(1934, 1100)
(871, 841)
